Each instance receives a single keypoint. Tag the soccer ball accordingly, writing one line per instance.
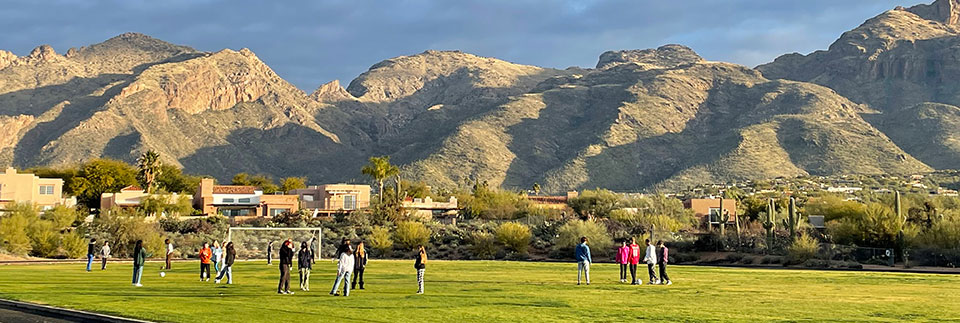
(163, 274)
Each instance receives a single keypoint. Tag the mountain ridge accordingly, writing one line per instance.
(641, 119)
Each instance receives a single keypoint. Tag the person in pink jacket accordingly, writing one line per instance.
(633, 257)
(622, 253)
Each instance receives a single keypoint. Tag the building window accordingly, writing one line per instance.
(46, 189)
(226, 200)
(237, 212)
(349, 202)
(244, 200)
(714, 215)
(276, 212)
(306, 198)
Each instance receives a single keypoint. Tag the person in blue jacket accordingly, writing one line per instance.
(583, 260)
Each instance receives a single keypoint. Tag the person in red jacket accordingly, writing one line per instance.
(205, 255)
(633, 257)
(622, 253)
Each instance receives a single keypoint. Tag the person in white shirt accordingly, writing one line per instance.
(651, 259)
(169, 252)
(104, 254)
(344, 269)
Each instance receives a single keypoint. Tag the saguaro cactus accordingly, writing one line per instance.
(794, 218)
(901, 240)
(770, 223)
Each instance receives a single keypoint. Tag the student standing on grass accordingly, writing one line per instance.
(664, 256)
(344, 268)
(421, 266)
(205, 255)
(217, 256)
(139, 258)
(651, 259)
(582, 254)
(305, 264)
(270, 253)
(227, 270)
(622, 254)
(90, 252)
(286, 261)
(169, 252)
(360, 265)
(104, 254)
(634, 259)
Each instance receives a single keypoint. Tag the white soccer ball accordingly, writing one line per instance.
(163, 274)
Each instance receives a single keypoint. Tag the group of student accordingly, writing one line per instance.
(220, 258)
(92, 253)
(350, 262)
(628, 256)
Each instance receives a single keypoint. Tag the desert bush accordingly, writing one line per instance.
(482, 245)
(44, 239)
(73, 245)
(803, 248)
(877, 226)
(568, 236)
(514, 235)
(123, 228)
(13, 233)
(379, 239)
(943, 233)
(410, 234)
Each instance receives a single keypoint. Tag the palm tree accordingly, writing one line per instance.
(149, 169)
(379, 169)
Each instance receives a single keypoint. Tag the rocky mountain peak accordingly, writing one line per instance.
(6, 58)
(331, 92)
(43, 53)
(667, 56)
(944, 11)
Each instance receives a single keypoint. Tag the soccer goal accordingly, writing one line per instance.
(253, 242)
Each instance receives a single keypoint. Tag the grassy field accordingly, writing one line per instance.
(491, 291)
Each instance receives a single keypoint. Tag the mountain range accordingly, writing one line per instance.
(883, 99)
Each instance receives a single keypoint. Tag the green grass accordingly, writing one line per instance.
(492, 291)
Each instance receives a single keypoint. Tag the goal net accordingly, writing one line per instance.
(253, 242)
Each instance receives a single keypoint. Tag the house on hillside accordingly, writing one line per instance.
(708, 210)
(132, 196)
(426, 208)
(240, 202)
(552, 202)
(29, 188)
(333, 198)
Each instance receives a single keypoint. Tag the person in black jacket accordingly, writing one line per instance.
(229, 257)
(286, 261)
(421, 266)
(305, 264)
(359, 265)
(90, 253)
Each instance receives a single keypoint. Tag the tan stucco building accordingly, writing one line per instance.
(709, 209)
(130, 196)
(332, 198)
(239, 202)
(43, 192)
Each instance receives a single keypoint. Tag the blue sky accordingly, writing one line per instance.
(313, 42)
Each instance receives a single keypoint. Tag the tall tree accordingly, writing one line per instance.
(293, 183)
(149, 167)
(379, 169)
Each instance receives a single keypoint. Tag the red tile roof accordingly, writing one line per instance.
(233, 189)
(131, 188)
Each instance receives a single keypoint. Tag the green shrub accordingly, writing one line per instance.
(379, 239)
(73, 245)
(61, 216)
(410, 234)
(44, 239)
(943, 233)
(803, 248)
(568, 236)
(482, 245)
(13, 230)
(514, 235)
(122, 228)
